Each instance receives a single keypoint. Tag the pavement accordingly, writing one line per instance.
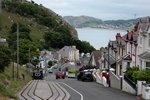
(43, 90)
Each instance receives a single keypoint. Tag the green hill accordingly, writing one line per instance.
(39, 28)
(38, 18)
(86, 21)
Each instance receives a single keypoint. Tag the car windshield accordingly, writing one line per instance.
(88, 73)
(59, 72)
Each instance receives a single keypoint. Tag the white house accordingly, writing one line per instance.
(143, 49)
(45, 57)
(69, 53)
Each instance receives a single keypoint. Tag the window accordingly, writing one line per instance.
(128, 64)
(147, 64)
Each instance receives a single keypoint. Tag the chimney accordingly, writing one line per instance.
(118, 36)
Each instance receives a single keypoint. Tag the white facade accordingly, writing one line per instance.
(45, 57)
(70, 53)
(143, 49)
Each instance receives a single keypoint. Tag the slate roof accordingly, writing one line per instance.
(97, 56)
(145, 55)
(111, 58)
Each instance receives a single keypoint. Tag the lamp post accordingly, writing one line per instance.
(104, 60)
(115, 50)
(13, 62)
(108, 66)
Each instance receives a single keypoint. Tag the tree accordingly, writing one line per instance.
(5, 57)
(50, 63)
(83, 46)
(24, 47)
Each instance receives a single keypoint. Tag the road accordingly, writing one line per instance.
(90, 90)
(69, 88)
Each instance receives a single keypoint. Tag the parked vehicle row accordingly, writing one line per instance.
(85, 75)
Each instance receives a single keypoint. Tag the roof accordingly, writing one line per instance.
(125, 57)
(145, 55)
(111, 58)
(97, 55)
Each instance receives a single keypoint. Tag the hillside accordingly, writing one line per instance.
(86, 21)
(39, 28)
(10, 15)
(82, 21)
(8, 86)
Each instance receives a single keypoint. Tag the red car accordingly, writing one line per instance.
(60, 75)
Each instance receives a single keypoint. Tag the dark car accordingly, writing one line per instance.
(85, 75)
(60, 75)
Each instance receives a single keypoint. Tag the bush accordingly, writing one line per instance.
(5, 57)
(73, 71)
(130, 71)
(135, 74)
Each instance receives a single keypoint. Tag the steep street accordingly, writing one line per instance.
(63, 89)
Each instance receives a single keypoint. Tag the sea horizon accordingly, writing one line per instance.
(98, 37)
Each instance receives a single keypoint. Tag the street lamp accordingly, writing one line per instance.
(108, 65)
(13, 61)
(115, 50)
(104, 60)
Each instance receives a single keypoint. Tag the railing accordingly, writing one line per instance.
(130, 82)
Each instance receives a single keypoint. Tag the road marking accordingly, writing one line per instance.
(73, 90)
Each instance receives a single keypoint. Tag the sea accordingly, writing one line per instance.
(98, 37)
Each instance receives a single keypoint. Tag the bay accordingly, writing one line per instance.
(98, 37)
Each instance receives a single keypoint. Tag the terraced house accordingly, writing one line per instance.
(129, 50)
(143, 48)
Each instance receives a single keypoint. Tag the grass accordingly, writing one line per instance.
(8, 18)
(9, 87)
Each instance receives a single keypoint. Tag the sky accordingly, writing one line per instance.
(102, 9)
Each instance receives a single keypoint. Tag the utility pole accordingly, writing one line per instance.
(0, 6)
(13, 62)
(29, 55)
(17, 50)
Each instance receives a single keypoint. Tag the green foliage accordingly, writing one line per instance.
(9, 90)
(5, 57)
(130, 71)
(22, 28)
(25, 43)
(83, 46)
(40, 14)
(24, 47)
(73, 71)
(56, 40)
(35, 61)
(50, 63)
(135, 74)
(143, 75)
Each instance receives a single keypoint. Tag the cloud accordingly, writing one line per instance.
(104, 9)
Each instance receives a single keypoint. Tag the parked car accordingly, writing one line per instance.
(85, 75)
(60, 75)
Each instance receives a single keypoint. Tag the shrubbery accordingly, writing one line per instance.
(135, 74)
(73, 71)
(5, 57)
